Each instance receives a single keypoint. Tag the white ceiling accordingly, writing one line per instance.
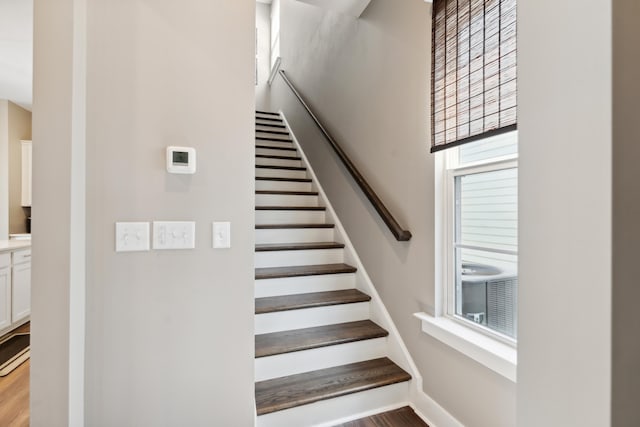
(16, 51)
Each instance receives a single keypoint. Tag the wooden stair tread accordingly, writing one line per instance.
(287, 168)
(274, 132)
(322, 336)
(287, 193)
(269, 147)
(271, 156)
(290, 208)
(270, 247)
(303, 270)
(270, 138)
(271, 124)
(275, 178)
(275, 119)
(278, 157)
(402, 417)
(291, 226)
(302, 389)
(271, 113)
(311, 300)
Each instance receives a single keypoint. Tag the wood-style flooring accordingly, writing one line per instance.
(14, 394)
(403, 417)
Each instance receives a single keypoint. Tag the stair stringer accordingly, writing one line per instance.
(424, 406)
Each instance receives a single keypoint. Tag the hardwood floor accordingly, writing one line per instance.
(14, 394)
(403, 417)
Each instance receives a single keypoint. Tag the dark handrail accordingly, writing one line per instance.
(400, 234)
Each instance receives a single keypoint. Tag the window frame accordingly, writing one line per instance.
(451, 168)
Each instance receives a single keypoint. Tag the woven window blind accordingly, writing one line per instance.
(474, 70)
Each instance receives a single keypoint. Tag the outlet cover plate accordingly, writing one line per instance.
(174, 235)
(132, 236)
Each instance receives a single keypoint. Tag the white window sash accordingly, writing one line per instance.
(451, 171)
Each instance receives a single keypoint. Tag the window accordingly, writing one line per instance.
(481, 244)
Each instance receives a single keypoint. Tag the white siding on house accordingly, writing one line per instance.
(487, 212)
(491, 148)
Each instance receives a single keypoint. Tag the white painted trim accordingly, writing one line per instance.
(353, 8)
(274, 70)
(422, 404)
(364, 415)
(427, 408)
(493, 354)
(78, 217)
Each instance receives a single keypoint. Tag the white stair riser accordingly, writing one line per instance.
(270, 132)
(280, 173)
(272, 116)
(270, 127)
(285, 200)
(310, 317)
(294, 235)
(265, 121)
(298, 362)
(269, 143)
(331, 411)
(300, 257)
(276, 152)
(289, 217)
(273, 135)
(278, 162)
(304, 284)
(268, 185)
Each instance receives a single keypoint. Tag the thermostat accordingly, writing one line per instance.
(181, 160)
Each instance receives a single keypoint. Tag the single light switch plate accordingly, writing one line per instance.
(221, 235)
(174, 235)
(132, 236)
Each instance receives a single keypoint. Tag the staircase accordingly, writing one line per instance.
(320, 359)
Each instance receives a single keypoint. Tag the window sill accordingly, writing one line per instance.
(489, 352)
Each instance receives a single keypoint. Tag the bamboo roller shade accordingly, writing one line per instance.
(474, 70)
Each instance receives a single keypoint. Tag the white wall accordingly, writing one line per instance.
(263, 28)
(169, 335)
(368, 80)
(4, 169)
(274, 33)
(564, 123)
(19, 129)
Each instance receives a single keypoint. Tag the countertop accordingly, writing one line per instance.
(12, 245)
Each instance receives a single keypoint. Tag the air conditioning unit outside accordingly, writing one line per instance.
(489, 297)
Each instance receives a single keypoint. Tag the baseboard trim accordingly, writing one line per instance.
(437, 416)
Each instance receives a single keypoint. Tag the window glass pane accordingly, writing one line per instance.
(486, 244)
(489, 148)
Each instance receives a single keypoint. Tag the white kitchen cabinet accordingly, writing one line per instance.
(21, 285)
(26, 173)
(5, 291)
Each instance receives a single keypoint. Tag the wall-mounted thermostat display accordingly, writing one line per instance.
(181, 160)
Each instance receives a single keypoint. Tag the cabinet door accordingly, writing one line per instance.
(5, 297)
(21, 295)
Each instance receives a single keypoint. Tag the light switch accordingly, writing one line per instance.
(132, 236)
(221, 235)
(174, 235)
